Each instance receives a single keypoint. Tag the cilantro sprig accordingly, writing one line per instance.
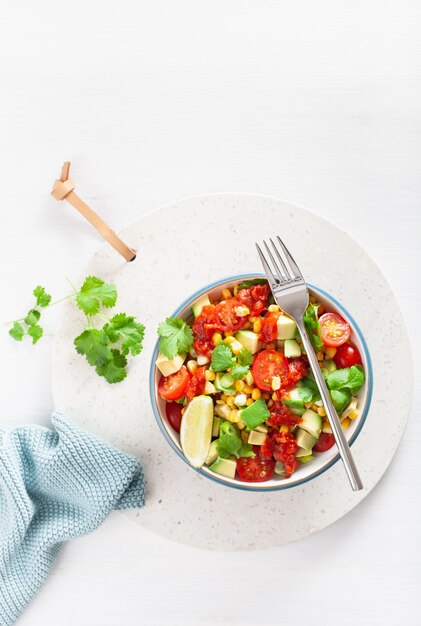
(224, 359)
(105, 347)
(229, 442)
(176, 337)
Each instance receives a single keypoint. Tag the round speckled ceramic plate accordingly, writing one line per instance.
(181, 247)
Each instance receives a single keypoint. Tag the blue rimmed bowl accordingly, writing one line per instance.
(322, 461)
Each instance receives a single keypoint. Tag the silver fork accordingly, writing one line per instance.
(290, 292)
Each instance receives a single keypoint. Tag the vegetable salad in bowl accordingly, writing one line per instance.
(233, 391)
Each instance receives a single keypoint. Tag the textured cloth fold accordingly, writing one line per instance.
(54, 485)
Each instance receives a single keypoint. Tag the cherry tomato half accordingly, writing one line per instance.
(266, 365)
(174, 415)
(269, 330)
(325, 442)
(172, 387)
(254, 469)
(226, 317)
(346, 356)
(335, 330)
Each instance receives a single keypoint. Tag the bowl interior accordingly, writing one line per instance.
(306, 471)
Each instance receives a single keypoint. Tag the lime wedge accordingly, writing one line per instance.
(196, 430)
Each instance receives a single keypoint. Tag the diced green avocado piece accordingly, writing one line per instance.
(302, 452)
(304, 439)
(224, 467)
(256, 438)
(212, 454)
(306, 459)
(286, 327)
(249, 378)
(220, 379)
(340, 398)
(169, 366)
(279, 468)
(215, 426)
(312, 423)
(249, 340)
(292, 348)
(198, 306)
(262, 428)
(255, 414)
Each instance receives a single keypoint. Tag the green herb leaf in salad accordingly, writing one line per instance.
(255, 414)
(311, 322)
(176, 337)
(239, 371)
(222, 357)
(351, 378)
(245, 357)
(229, 442)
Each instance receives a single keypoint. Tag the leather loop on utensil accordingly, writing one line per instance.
(64, 190)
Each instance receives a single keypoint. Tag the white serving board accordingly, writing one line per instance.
(181, 247)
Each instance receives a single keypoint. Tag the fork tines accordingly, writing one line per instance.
(281, 274)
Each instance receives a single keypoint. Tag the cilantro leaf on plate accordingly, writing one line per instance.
(42, 297)
(114, 370)
(16, 332)
(222, 357)
(32, 317)
(95, 293)
(92, 343)
(35, 331)
(131, 332)
(176, 337)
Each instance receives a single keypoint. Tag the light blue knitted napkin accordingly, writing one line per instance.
(54, 485)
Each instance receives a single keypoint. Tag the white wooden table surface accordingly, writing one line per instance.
(315, 102)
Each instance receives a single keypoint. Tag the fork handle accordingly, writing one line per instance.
(338, 433)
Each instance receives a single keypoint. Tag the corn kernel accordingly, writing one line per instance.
(242, 310)
(252, 319)
(320, 356)
(210, 375)
(284, 429)
(247, 326)
(183, 410)
(330, 353)
(224, 397)
(326, 427)
(228, 334)
(236, 346)
(321, 411)
(257, 325)
(249, 401)
(236, 289)
(230, 401)
(321, 309)
(255, 394)
(226, 294)
(241, 425)
(314, 407)
(276, 383)
(234, 416)
(274, 396)
(346, 423)
(273, 308)
(229, 340)
(244, 434)
(192, 366)
(216, 338)
(266, 395)
(353, 415)
(308, 405)
(247, 389)
(239, 385)
(220, 402)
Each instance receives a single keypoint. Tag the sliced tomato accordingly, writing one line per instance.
(196, 384)
(226, 317)
(255, 469)
(255, 298)
(173, 387)
(174, 415)
(269, 329)
(335, 330)
(347, 356)
(266, 365)
(324, 442)
(280, 414)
